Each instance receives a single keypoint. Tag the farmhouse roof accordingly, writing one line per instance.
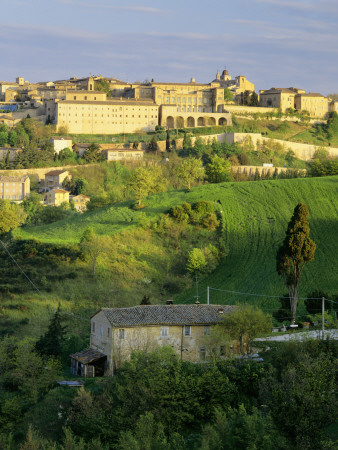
(88, 356)
(166, 315)
(60, 191)
(55, 172)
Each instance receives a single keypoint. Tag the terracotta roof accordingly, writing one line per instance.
(9, 179)
(55, 172)
(278, 91)
(166, 315)
(60, 191)
(88, 356)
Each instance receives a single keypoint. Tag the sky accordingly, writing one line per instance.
(274, 43)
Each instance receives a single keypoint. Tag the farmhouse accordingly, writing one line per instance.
(116, 332)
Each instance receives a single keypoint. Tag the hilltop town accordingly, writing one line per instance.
(97, 104)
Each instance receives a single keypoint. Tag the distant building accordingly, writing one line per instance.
(80, 202)
(283, 98)
(60, 143)
(316, 104)
(55, 197)
(119, 154)
(7, 119)
(54, 179)
(10, 151)
(14, 188)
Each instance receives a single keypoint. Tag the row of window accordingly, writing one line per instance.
(163, 333)
(107, 108)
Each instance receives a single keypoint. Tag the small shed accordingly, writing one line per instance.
(88, 363)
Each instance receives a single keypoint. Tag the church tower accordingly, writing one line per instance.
(91, 84)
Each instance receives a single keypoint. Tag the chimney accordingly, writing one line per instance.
(169, 302)
(220, 311)
(197, 302)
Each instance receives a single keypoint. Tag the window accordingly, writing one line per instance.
(164, 331)
(108, 332)
(121, 334)
(93, 327)
(207, 330)
(202, 354)
(101, 330)
(187, 330)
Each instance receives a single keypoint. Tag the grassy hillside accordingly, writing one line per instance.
(256, 215)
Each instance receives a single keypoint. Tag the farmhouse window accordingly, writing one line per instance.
(93, 327)
(121, 333)
(101, 330)
(108, 332)
(164, 331)
(187, 330)
(202, 354)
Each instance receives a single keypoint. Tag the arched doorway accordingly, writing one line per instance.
(170, 122)
(222, 121)
(190, 122)
(200, 122)
(179, 122)
(211, 121)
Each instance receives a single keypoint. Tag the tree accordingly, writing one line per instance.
(219, 170)
(32, 204)
(254, 99)
(11, 216)
(228, 95)
(196, 264)
(92, 246)
(186, 141)
(93, 154)
(168, 142)
(190, 171)
(296, 250)
(51, 342)
(152, 146)
(246, 323)
(144, 181)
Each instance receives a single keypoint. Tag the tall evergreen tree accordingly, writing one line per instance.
(296, 250)
(52, 341)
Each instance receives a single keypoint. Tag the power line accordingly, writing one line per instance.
(268, 296)
(34, 285)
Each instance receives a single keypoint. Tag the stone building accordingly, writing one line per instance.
(54, 179)
(55, 197)
(14, 188)
(120, 154)
(316, 104)
(116, 332)
(283, 98)
(60, 143)
(80, 202)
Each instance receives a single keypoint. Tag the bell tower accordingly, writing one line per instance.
(90, 84)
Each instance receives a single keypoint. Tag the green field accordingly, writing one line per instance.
(256, 216)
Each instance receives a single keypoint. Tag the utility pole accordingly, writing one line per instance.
(208, 295)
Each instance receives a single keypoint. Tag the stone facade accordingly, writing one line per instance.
(55, 197)
(14, 188)
(60, 143)
(316, 104)
(116, 332)
(53, 179)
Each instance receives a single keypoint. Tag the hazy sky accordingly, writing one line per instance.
(278, 43)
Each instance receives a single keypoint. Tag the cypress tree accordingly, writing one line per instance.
(52, 341)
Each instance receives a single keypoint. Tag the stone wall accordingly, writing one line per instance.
(304, 152)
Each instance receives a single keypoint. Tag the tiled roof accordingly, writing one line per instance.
(88, 356)
(166, 315)
(8, 179)
(60, 191)
(311, 94)
(55, 172)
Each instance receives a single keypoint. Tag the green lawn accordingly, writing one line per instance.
(256, 215)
